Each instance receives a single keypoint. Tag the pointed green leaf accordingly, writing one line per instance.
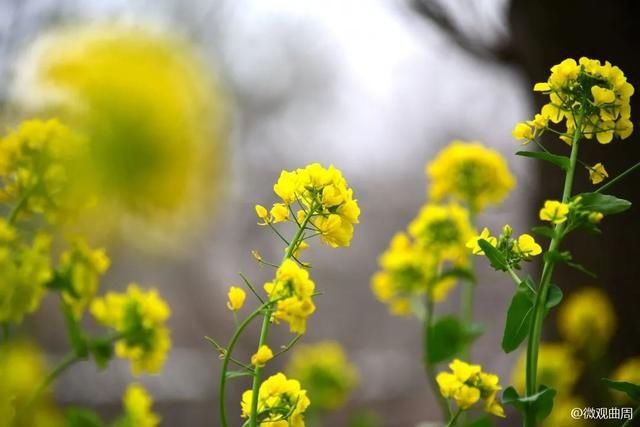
(80, 417)
(561, 161)
(519, 316)
(582, 269)
(553, 297)
(541, 402)
(632, 390)
(603, 203)
(237, 374)
(497, 260)
(446, 338)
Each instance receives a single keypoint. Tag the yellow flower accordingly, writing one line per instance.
(262, 356)
(281, 402)
(587, 319)
(557, 368)
(325, 191)
(324, 370)
(236, 297)
(484, 235)
(628, 371)
(470, 173)
(294, 290)
(597, 173)
(25, 270)
(82, 267)
(526, 246)
(137, 408)
(154, 155)
(261, 211)
(523, 132)
(598, 93)
(279, 212)
(443, 230)
(467, 385)
(139, 317)
(554, 211)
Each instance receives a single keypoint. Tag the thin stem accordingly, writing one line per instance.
(429, 368)
(288, 346)
(452, 421)
(222, 352)
(635, 414)
(535, 331)
(250, 286)
(69, 360)
(514, 276)
(618, 178)
(466, 299)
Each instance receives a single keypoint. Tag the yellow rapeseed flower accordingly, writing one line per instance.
(137, 408)
(279, 212)
(236, 297)
(484, 235)
(262, 356)
(294, 290)
(324, 370)
(597, 173)
(139, 317)
(554, 211)
(281, 402)
(587, 319)
(526, 246)
(470, 173)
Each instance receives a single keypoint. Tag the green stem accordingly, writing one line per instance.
(452, 421)
(535, 331)
(266, 321)
(69, 360)
(467, 298)
(635, 414)
(429, 368)
(618, 178)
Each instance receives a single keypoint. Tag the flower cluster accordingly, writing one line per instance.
(293, 290)
(587, 319)
(281, 402)
(137, 408)
(469, 173)
(25, 270)
(82, 268)
(324, 370)
(34, 169)
(324, 199)
(138, 319)
(408, 271)
(585, 94)
(513, 250)
(466, 384)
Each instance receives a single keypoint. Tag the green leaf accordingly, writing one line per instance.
(582, 269)
(603, 203)
(561, 161)
(102, 351)
(446, 338)
(631, 390)
(553, 297)
(237, 374)
(497, 260)
(519, 316)
(80, 417)
(483, 421)
(544, 231)
(556, 257)
(541, 402)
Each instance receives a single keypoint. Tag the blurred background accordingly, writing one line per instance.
(376, 87)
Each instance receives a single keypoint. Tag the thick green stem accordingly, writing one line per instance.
(266, 321)
(429, 368)
(535, 331)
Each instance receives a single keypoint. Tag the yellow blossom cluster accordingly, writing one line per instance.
(514, 250)
(469, 173)
(82, 268)
(138, 318)
(324, 199)
(587, 319)
(25, 270)
(408, 271)
(281, 402)
(137, 408)
(293, 290)
(466, 384)
(325, 372)
(588, 94)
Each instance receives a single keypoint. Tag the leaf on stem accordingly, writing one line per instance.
(631, 390)
(238, 374)
(603, 203)
(544, 232)
(554, 297)
(447, 337)
(561, 161)
(541, 402)
(497, 260)
(519, 316)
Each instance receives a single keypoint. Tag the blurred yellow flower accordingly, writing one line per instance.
(325, 372)
(597, 173)
(137, 408)
(152, 117)
(236, 297)
(139, 318)
(560, 415)
(470, 173)
(262, 356)
(554, 211)
(281, 402)
(587, 319)
(628, 371)
(557, 368)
